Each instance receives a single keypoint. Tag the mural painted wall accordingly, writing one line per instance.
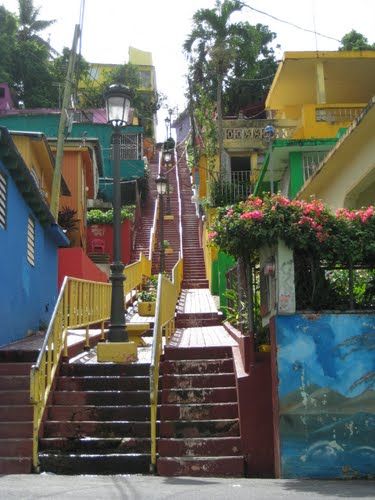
(326, 373)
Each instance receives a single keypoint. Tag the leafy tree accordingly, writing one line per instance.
(355, 41)
(29, 24)
(212, 43)
(8, 32)
(230, 61)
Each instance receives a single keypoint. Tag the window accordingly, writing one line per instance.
(31, 241)
(131, 147)
(3, 200)
(311, 161)
(145, 79)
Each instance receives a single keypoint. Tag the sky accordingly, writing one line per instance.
(161, 27)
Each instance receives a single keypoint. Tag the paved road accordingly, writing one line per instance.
(49, 486)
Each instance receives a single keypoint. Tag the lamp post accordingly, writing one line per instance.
(167, 124)
(117, 99)
(161, 187)
(167, 162)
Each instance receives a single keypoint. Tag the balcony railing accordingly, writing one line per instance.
(225, 192)
(249, 131)
(311, 161)
(337, 115)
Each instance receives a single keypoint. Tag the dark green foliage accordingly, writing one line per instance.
(67, 219)
(355, 41)
(97, 216)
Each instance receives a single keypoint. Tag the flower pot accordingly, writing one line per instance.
(146, 308)
(168, 250)
(264, 348)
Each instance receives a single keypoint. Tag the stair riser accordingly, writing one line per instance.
(198, 381)
(194, 323)
(101, 398)
(97, 429)
(102, 383)
(108, 445)
(204, 428)
(15, 430)
(226, 467)
(20, 398)
(92, 370)
(15, 369)
(198, 353)
(214, 447)
(199, 412)
(198, 396)
(198, 366)
(103, 464)
(16, 413)
(71, 413)
(16, 448)
(15, 466)
(17, 383)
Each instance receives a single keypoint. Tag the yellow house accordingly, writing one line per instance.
(38, 157)
(323, 92)
(346, 177)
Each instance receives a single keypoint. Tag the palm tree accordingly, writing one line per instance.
(212, 41)
(29, 24)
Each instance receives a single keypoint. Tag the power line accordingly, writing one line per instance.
(290, 23)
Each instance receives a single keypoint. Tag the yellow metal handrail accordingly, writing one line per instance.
(80, 304)
(164, 323)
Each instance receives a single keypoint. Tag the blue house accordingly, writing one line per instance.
(29, 236)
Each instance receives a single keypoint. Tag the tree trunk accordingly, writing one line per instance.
(219, 110)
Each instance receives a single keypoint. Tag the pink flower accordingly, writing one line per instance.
(255, 202)
(212, 235)
(281, 200)
(255, 215)
(230, 212)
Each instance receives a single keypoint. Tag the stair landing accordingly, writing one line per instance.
(205, 336)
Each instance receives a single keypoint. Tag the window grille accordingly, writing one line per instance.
(31, 241)
(311, 161)
(131, 147)
(3, 200)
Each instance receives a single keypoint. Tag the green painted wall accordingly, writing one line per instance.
(296, 173)
(215, 277)
(48, 124)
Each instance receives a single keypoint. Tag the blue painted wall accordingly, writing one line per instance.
(326, 372)
(27, 293)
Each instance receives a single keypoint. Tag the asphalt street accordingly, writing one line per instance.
(50, 486)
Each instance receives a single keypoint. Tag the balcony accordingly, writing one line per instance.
(241, 134)
(226, 192)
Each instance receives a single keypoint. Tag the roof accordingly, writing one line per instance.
(349, 78)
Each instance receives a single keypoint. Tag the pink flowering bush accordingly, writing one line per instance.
(345, 238)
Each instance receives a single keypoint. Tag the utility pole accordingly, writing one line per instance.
(60, 135)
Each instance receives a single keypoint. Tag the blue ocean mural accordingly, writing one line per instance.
(326, 372)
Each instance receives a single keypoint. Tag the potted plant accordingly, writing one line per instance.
(147, 298)
(167, 247)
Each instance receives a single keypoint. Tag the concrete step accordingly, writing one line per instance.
(15, 368)
(13, 447)
(92, 428)
(199, 395)
(16, 413)
(73, 464)
(201, 466)
(101, 398)
(16, 397)
(199, 428)
(96, 383)
(214, 447)
(16, 382)
(14, 355)
(195, 283)
(101, 369)
(16, 430)
(198, 366)
(95, 445)
(96, 413)
(198, 353)
(199, 411)
(199, 381)
(15, 465)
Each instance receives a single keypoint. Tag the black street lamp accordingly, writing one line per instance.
(161, 187)
(117, 100)
(168, 163)
(167, 124)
